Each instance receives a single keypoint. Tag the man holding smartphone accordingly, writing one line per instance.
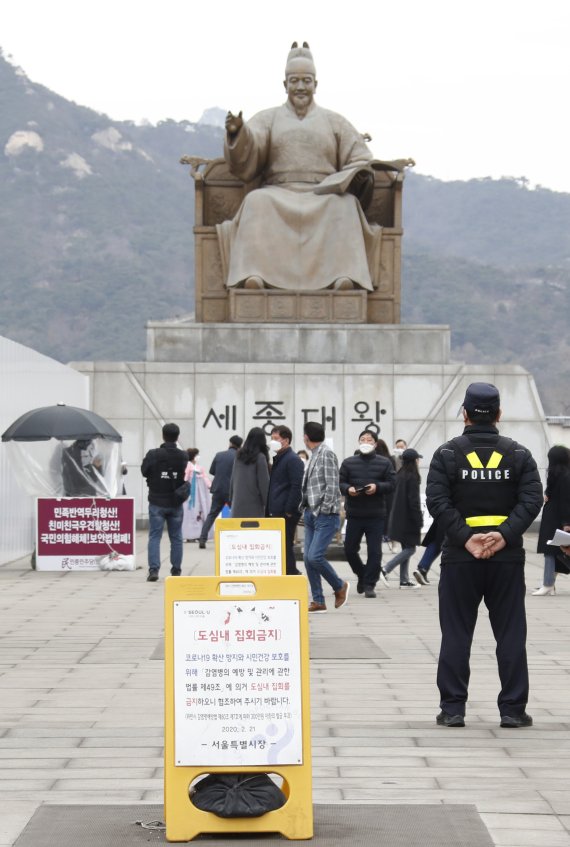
(365, 479)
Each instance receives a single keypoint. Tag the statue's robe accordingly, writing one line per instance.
(292, 232)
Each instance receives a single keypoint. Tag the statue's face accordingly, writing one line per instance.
(300, 84)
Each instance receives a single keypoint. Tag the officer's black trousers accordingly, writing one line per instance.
(462, 586)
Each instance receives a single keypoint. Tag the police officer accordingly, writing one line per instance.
(485, 490)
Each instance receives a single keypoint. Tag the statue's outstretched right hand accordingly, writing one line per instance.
(233, 123)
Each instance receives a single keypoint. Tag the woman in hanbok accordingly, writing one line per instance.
(197, 506)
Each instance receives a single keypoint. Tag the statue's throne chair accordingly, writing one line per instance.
(218, 197)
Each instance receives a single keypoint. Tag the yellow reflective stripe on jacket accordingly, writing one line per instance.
(476, 462)
(486, 520)
(495, 460)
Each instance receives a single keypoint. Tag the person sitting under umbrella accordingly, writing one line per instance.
(65, 451)
(81, 469)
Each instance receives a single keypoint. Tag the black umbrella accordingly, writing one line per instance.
(66, 423)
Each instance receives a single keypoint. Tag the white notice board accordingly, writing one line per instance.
(250, 552)
(237, 683)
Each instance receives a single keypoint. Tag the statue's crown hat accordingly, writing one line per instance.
(297, 52)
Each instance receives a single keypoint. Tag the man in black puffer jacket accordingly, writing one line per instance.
(484, 491)
(365, 480)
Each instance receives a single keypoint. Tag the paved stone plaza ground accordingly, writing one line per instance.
(81, 703)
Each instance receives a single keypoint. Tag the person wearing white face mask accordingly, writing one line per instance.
(365, 480)
(284, 495)
(274, 446)
(399, 446)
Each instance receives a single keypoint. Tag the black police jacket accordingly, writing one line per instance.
(500, 480)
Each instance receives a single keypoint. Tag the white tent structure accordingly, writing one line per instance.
(27, 380)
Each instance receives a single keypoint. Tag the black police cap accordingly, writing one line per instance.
(482, 398)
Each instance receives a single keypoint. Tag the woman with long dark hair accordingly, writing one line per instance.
(382, 450)
(250, 478)
(406, 518)
(555, 514)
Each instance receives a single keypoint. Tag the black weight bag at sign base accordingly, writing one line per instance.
(237, 795)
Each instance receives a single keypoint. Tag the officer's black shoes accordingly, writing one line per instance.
(516, 721)
(507, 721)
(445, 719)
(369, 592)
(360, 587)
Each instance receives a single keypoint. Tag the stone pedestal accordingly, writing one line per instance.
(186, 341)
(219, 379)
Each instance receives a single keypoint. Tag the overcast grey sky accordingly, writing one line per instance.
(466, 89)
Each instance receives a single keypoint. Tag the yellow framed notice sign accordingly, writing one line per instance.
(250, 546)
(237, 697)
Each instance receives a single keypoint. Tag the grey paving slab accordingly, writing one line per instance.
(517, 822)
(349, 647)
(109, 783)
(38, 743)
(81, 703)
(531, 837)
(7, 786)
(119, 762)
(559, 800)
(21, 764)
(334, 826)
(105, 742)
(384, 763)
(93, 773)
(73, 797)
(14, 819)
(91, 732)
